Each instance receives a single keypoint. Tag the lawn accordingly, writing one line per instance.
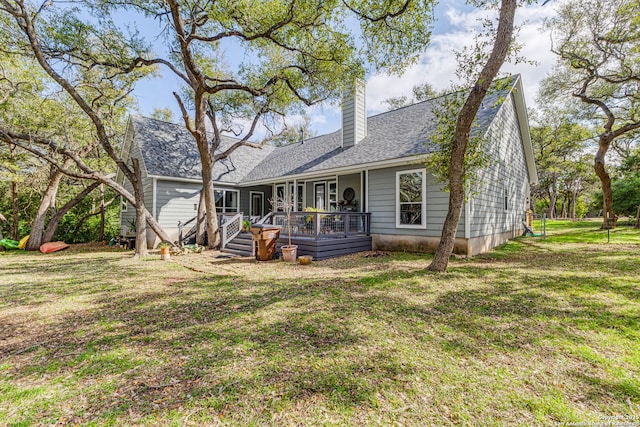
(538, 332)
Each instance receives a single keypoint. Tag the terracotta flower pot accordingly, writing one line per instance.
(164, 253)
(290, 253)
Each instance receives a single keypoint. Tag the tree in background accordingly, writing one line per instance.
(293, 54)
(72, 47)
(293, 133)
(164, 114)
(626, 186)
(558, 143)
(599, 63)
(421, 92)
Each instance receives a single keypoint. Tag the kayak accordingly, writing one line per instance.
(23, 242)
(9, 244)
(47, 248)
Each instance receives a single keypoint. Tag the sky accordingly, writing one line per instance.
(453, 29)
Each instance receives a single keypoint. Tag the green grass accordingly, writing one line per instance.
(537, 332)
(587, 231)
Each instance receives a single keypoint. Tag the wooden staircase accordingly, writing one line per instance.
(241, 245)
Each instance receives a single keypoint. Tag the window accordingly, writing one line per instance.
(320, 189)
(505, 193)
(333, 196)
(123, 204)
(257, 204)
(411, 197)
(280, 194)
(226, 201)
(299, 196)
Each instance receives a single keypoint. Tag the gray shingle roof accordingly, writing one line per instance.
(396, 134)
(170, 150)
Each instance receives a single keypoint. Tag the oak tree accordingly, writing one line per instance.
(596, 42)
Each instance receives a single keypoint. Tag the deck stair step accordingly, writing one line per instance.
(242, 245)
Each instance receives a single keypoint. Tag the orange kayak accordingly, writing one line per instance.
(47, 248)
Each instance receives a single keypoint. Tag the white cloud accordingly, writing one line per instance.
(437, 65)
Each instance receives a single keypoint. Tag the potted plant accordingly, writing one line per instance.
(131, 228)
(286, 205)
(164, 250)
(246, 226)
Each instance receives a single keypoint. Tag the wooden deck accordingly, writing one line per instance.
(321, 249)
(325, 234)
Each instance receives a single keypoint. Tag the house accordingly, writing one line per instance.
(367, 178)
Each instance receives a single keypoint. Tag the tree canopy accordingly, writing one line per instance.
(596, 42)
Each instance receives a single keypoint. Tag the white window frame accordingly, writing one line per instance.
(315, 194)
(275, 193)
(294, 189)
(251, 194)
(423, 216)
(123, 204)
(224, 200)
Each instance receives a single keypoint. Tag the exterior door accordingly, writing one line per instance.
(257, 204)
(320, 195)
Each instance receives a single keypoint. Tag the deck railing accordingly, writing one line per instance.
(230, 228)
(324, 225)
(222, 219)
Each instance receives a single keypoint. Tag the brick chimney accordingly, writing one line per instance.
(354, 114)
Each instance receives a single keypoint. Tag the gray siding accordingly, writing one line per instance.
(354, 115)
(175, 201)
(309, 197)
(129, 216)
(508, 169)
(245, 197)
(147, 187)
(353, 181)
(382, 204)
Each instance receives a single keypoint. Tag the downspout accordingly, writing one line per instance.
(154, 184)
(467, 223)
(154, 192)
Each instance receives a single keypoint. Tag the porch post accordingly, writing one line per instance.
(347, 224)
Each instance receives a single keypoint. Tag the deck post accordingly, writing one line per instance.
(347, 224)
(316, 224)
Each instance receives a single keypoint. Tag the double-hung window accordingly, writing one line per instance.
(411, 197)
(226, 201)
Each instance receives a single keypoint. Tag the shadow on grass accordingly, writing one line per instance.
(236, 346)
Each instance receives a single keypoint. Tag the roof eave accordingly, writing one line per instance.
(126, 149)
(525, 132)
(401, 161)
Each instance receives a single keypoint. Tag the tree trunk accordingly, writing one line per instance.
(638, 218)
(14, 210)
(206, 157)
(212, 216)
(553, 198)
(52, 226)
(463, 130)
(101, 231)
(201, 224)
(141, 212)
(605, 179)
(574, 200)
(47, 200)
